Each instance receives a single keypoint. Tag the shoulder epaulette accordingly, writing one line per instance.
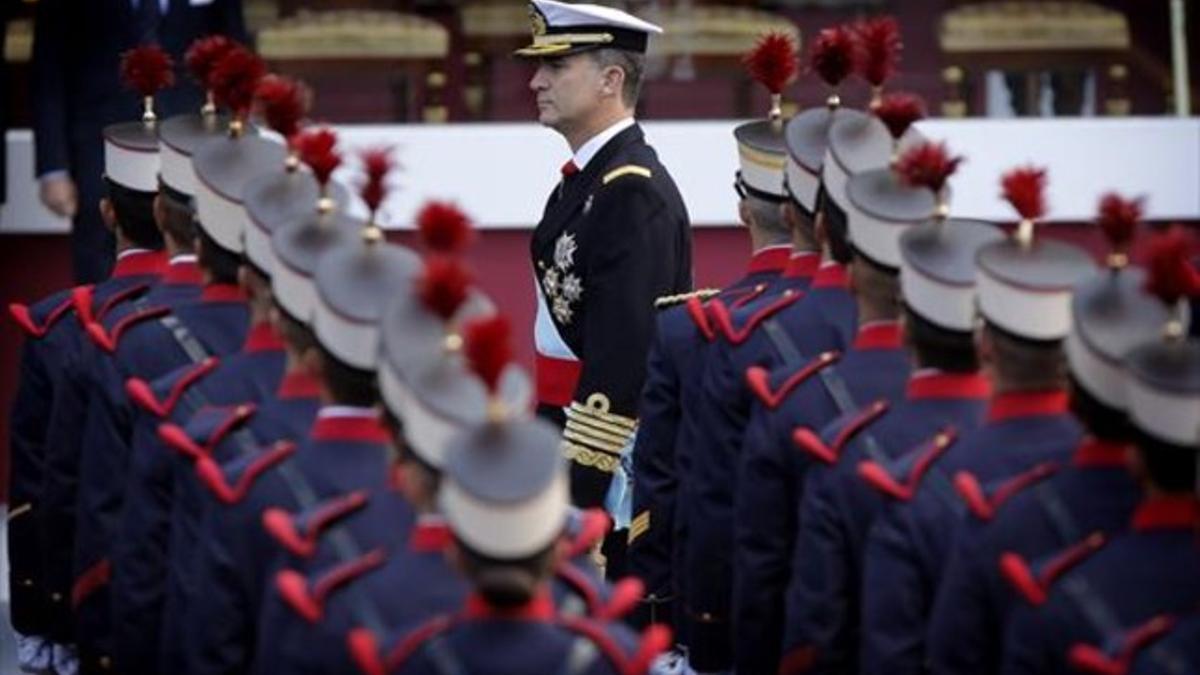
(740, 334)
(901, 478)
(232, 481)
(161, 397)
(1033, 582)
(122, 296)
(81, 301)
(205, 431)
(627, 170)
(300, 533)
(23, 315)
(983, 503)
(744, 296)
(589, 527)
(809, 441)
(365, 649)
(758, 379)
(108, 340)
(1117, 653)
(639, 526)
(701, 294)
(696, 310)
(624, 597)
(309, 601)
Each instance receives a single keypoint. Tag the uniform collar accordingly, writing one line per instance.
(262, 338)
(588, 150)
(431, 534)
(931, 383)
(1096, 453)
(540, 608)
(184, 270)
(348, 423)
(298, 384)
(1167, 512)
(138, 262)
(769, 259)
(831, 275)
(1027, 404)
(802, 265)
(878, 335)
(218, 292)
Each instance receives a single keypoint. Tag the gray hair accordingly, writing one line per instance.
(633, 64)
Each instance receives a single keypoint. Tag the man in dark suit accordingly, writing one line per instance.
(77, 46)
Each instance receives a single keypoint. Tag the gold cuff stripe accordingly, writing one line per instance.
(611, 432)
(578, 408)
(598, 460)
(20, 511)
(627, 170)
(639, 526)
(593, 442)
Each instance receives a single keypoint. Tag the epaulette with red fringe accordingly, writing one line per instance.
(37, 320)
(1118, 652)
(739, 334)
(983, 503)
(366, 651)
(85, 302)
(232, 481)
(160, 397)
(900, 478)
(109, 339)
(207, 428)
(810, 442)
(699, 315)
(308, 599)
(758, 379)
(300, 533)
(1033, 582)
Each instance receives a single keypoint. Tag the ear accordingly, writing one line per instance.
(160, 211)
(312, 362)
(983, 345)
(612, 80)
(107, 213)
(745, 213)
(244, 279)
(852, 273)
(454, 556)
(787, 213)
(819, 229)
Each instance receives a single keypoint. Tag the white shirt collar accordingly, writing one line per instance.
(347, 411)
(588, 150)
(182, 258)
(131, 251)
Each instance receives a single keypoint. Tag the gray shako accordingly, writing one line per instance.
(1026, 281)
(762, 151)
(286, 193)
(1111, 312)
(297, 246)
(356, 282)
(131, 158)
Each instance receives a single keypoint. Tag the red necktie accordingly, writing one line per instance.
(569, 169)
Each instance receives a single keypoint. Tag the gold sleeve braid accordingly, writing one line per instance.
(639, 526)
(593, 436)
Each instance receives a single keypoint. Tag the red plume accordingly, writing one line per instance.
(1119, 218)
(283, 102)
(147, 69)
(879, 48)
(377, 162)
(833, 55)
(488, 348)
(444, 227)
(234, 78)
(898, 112)
(203, 55)
(1025, 189)
(773, 61)
(444, 285)
(315, 148)
(1169, 274)
(927, 165)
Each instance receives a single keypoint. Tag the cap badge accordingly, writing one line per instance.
(537, 21)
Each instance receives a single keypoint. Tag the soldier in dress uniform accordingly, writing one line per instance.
(1108, 584)
(614, 236)
(235, 553)
(54, 342)
(796, 401)
(1025, 286)
(504, 494)
(1053, 506)
(782, 245)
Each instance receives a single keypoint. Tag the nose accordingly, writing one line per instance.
(538, 81)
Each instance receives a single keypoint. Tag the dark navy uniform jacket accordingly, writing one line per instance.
(834, 510)
(613, 237)
(1177, 653)
(233, 549)
(910, 540)
(672, 368)
(1018, 520)
(771, 471)
(532, 639)
(53, 340)
(144, 343)
(759, 334)
(1125, 582)
(53, 329)
(209, 399)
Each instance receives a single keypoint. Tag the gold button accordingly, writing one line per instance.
(105, 663)
(56, 597)
(27, 583)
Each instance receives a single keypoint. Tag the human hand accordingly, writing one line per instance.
(59, 194)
